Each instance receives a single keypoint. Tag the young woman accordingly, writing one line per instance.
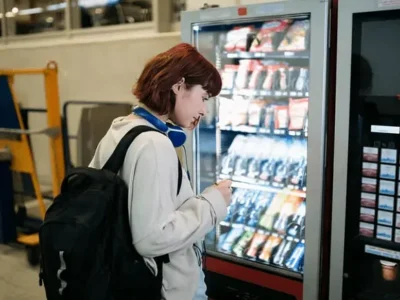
(175, 86)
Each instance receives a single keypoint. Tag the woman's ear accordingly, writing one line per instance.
(178, 86)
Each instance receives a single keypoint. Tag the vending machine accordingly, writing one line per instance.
(265, 132)
(365, 253)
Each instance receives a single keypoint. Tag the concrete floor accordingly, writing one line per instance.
(18, 280)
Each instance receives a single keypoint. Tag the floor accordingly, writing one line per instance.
(18, 280)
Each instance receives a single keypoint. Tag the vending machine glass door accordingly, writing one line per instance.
(256, 135)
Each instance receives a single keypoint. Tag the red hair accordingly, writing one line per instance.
(154, 86)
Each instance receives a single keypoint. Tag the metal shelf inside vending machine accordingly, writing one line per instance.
(270, 55)
(265, 188)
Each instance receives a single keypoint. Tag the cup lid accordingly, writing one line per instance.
(388, 263)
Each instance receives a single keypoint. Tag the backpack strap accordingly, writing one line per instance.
(179, 177)
(117, 158)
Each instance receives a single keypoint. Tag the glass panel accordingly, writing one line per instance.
(34, 16)
(373, 213)
(95, 13)
(256, 135)
(177, 7)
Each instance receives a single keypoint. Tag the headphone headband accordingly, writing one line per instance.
(175, 133)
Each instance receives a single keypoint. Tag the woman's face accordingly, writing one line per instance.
(190, 105)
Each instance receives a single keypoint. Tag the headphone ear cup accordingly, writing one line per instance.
(176, 135)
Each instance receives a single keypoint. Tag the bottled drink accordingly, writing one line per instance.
(268, 217)
(266, 253)
(294, 261)
(257, 241)
(288, 209)
(239, 248)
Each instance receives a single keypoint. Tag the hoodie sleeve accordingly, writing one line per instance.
(158, 227)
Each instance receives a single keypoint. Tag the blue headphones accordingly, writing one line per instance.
(175, 133)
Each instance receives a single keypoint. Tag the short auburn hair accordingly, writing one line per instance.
(154, 86)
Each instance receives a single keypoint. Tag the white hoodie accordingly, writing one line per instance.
(161, 222)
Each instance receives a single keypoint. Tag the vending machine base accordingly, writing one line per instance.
(227, 280)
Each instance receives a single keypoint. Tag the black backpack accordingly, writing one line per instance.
(86, 243)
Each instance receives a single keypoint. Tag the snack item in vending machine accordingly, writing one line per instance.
(246, 205)
(297, 223)
(298, 109)
(268, 36)
(298, 168)
(302, 81)
(255, 112)
(271, 78)
(295, 259)
(255, 81)
(239, 112)
(282, 172)
(241, 165)
(241, 81)
(283, 163)
(268, 218)
(284, 248)
(269, 117)
(228, 76)
(228, 161)
(269, 247)
(240, 247)
(293, 75)
(288, 209)
(225, 111)
(296, 37)
(283, 79)
(236, 39)
(232, 236)
(261, 154)
(256, 244)
(263, 201)
(281, 117)
(234, 206)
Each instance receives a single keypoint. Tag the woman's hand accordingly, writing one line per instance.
(225, 188)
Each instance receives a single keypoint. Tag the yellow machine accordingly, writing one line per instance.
(14, 138)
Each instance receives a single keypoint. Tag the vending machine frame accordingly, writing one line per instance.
(346, 10)
(319, 13)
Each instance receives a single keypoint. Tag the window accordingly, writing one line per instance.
(34, 16)
(27, 17)
(177, 7)
(95, 13)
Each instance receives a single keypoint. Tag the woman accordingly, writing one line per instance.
(174, 86)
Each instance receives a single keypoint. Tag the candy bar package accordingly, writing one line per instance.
(281, 117)
(228, 76)
(283, 79)
(296, 37)
(256, 112)
(225, 111)
(269, 116)
(255, 81)
(236, 39)
(293, 75)
(302, 81)
(239, 111)
(241, 81)
(269, 35)
(298, 109)
(272, 77)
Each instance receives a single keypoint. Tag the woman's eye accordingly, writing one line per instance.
(205, 99)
